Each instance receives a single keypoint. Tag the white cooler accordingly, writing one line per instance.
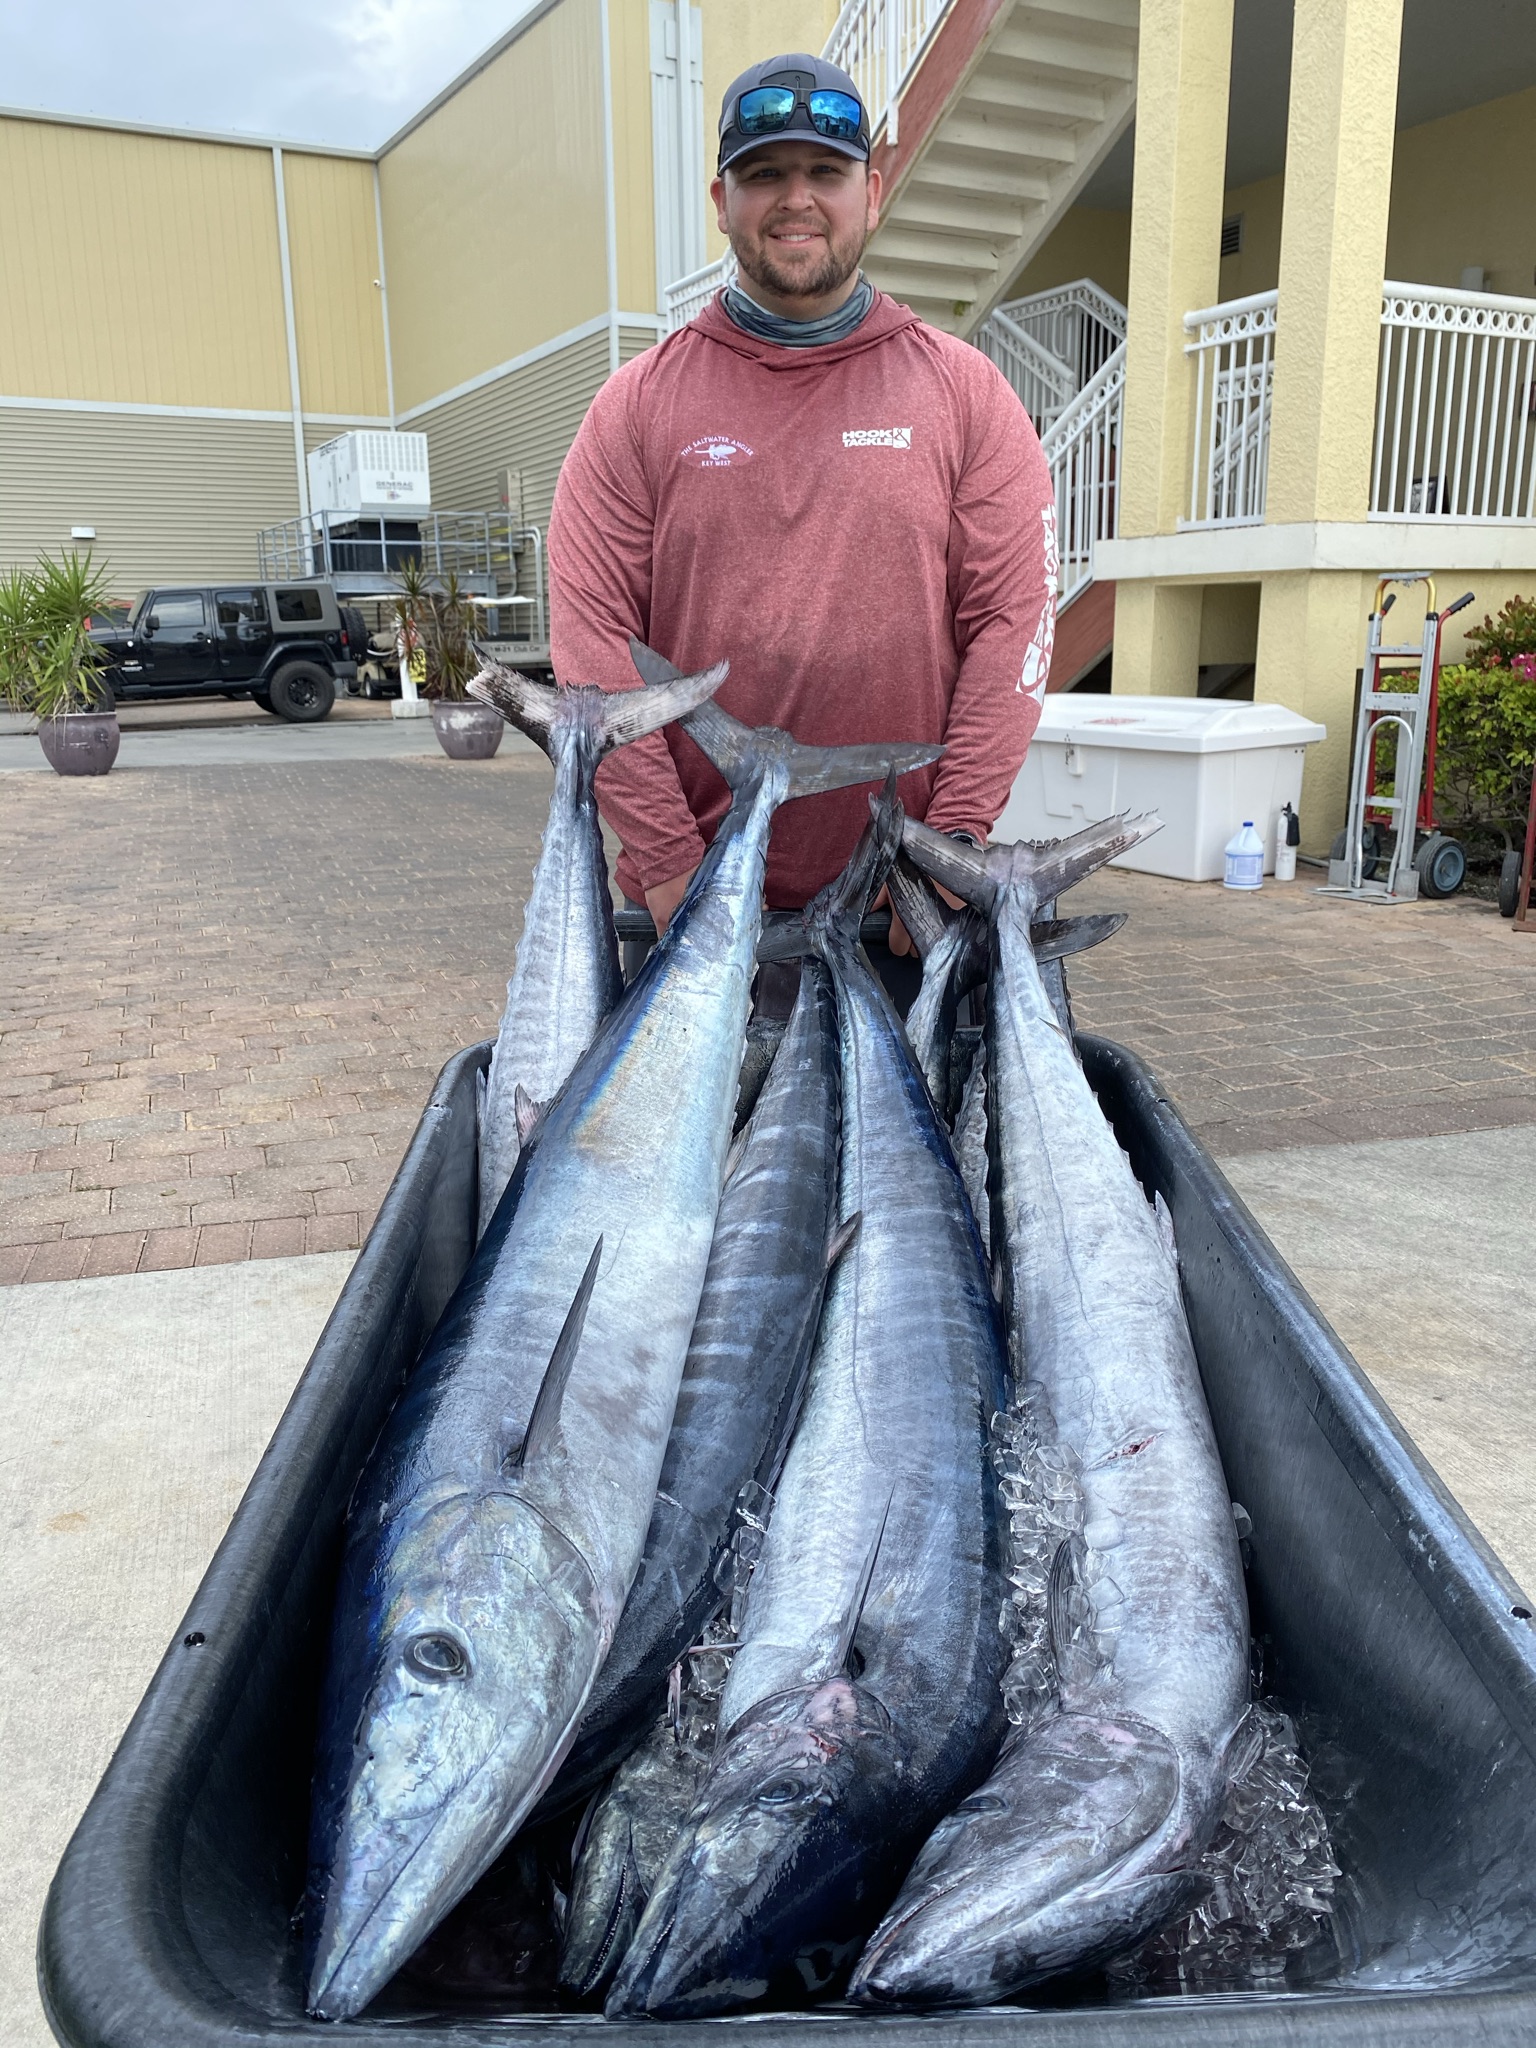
(1203, 763)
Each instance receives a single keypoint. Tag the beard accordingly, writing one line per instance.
(841, 259)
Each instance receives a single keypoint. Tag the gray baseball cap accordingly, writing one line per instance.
(832, 126)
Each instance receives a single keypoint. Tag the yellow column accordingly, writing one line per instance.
(1183, 67)
(1338, 190)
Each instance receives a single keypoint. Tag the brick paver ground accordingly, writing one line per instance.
(224, 993)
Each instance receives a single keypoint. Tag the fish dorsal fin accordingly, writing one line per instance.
(545, 1419)
(527, 1111)
(855, 1611)
(841, 1236)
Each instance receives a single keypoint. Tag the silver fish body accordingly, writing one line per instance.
(499, 1523)
(566, 976)
(743, 1377)
(863, 1697)
(1088, 1833)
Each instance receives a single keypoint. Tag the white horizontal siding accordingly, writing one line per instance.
(169, 497)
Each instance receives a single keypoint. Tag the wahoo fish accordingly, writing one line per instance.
(863, 1697)
(743, 1379)
(566, 976)
(1088, 1833)
(499, 1521)
(623, 1844)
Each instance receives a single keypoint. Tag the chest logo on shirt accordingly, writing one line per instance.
(877, 437)
(717, 451)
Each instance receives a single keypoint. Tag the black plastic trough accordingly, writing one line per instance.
(1406, 1651)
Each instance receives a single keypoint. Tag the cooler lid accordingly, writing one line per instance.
(1172, 725)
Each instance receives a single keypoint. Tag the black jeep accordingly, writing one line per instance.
(287, 645)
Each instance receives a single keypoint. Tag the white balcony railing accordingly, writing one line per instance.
(1083, 450)
(879, 43)
(1046, 386)
(1455, 406)
(1079, 324)
(1234, 353)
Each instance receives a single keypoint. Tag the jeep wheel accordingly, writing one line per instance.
(302, 692)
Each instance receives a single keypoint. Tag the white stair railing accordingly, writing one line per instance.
(879, 43)
(1045, 384)
(1234, 352)
(1455, 397)
(1078, 323)
(1082, 448)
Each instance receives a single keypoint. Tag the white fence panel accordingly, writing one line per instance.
(1234, 352)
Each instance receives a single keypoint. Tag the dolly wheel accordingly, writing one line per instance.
(1370, 849)
(1509, 884)
(1441, 865)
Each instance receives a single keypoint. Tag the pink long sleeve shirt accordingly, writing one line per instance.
(866, 530)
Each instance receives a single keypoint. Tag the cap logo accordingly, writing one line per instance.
(716, 451)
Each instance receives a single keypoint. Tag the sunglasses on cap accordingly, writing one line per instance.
(769, 109)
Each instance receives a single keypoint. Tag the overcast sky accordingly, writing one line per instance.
(347, 72)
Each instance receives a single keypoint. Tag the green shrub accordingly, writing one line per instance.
(1486, 746)
(1497, 642)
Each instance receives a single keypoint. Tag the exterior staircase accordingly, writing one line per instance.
(1011, 108)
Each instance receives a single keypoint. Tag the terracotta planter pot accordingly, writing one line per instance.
(81, 742)
(467, 732)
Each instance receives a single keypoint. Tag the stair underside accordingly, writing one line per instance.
(1041, 101)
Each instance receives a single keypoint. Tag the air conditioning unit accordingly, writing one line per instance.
(370, 473)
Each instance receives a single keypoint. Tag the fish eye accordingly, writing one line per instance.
(780, 1792)
(437, 1656)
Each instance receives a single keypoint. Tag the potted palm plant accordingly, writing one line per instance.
(440, 623)
(76, 717)
(18, 636)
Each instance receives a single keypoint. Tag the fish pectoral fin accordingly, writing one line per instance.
(841, 1236)
(1151, 1901)
(843, 1658)
(1070, 1613)
(545, 1419)
(528, 1113)
(480, 1104)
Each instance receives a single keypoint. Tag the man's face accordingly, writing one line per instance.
(798, 216)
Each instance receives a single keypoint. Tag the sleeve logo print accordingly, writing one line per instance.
(717, 451)
(877, 437)
(1037, 656)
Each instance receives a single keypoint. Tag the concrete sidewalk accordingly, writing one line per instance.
(132, 1414)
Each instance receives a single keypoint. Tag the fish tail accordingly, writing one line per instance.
(1032, 872)
(1057, 938)
(918, 904)
(612, 718)
(740, 751)
(840, 907)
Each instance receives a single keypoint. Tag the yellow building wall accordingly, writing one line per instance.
(333, 256)
(1256, 267)
(1464, 193)
(139, 269)
(742, 32)
(1088, 241)
(494, 211)
(629, 42)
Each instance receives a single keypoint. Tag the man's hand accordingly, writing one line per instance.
(665, 897)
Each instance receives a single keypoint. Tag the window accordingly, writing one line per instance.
(179, 611)
(238, 608)
(298, 604)
(1232, 235)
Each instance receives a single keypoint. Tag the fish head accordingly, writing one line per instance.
(1070, 1853)
(773, 1880)
(454, 1686)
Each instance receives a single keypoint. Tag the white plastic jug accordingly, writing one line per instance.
(1245, 859)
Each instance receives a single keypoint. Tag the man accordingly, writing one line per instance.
(807, 479)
